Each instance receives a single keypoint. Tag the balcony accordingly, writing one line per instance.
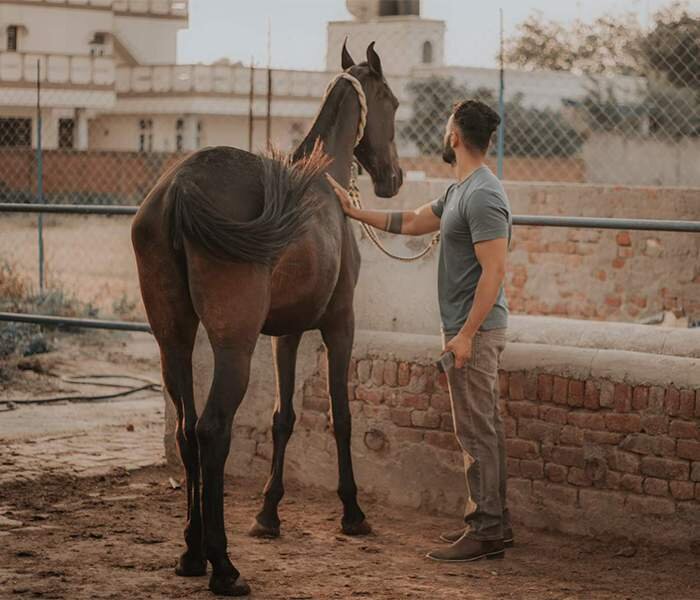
(217, 80)
(172, 8)
(56, 69)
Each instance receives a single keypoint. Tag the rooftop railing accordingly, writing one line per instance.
(57, 69)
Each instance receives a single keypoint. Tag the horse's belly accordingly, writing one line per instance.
(302, 285)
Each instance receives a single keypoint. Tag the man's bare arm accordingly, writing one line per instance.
(406, 222)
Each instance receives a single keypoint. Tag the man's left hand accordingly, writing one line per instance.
(461, 347)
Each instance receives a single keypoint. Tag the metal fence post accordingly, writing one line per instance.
(501, 106)
(39, 177)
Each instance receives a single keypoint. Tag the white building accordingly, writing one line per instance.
(109, 78)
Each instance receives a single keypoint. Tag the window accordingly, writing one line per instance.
(179, 138)
(15, 133)
(12, 38)
(200, 135)
(145, 135)
(427, 53)
(97, 44)
(66, 128)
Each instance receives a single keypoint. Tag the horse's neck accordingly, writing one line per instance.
(336, 126)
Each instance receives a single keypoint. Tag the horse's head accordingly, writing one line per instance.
(377, 150)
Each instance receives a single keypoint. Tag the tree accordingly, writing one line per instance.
(529, 131)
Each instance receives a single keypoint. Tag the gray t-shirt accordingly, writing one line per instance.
(474, 210)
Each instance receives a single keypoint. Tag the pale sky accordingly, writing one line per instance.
(237, 29)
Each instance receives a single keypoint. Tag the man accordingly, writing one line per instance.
(474, 220)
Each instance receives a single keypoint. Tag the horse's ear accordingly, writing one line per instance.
(375, 64)
(346, 60)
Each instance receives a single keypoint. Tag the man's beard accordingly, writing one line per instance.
(448, 153)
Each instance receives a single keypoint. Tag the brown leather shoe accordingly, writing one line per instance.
(467, 549)
(453, 536)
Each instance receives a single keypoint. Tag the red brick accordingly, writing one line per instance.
(591, 398)
(391, 371)
(523, 409)
(623, 238)
(697, 403)
(623, 397)
(553, 414)
(516, 386)
(392, 396)
(612, 480)
(319, 404)
(440, 439)
(352, 369)
(655, 424)
(656, 400)
(586, 420)
(686, 406)
(682, 490)
(655, 487)
(560, 390)
(419, 401)
(532, 469)
(446, 422)
(425, 419)
(553, 492)
(369, 395)
(618, 263)
(419, 379)
(564, 455)
(602, 438)
(607, 394)
(403, 375)
(571, 436)
(625, 462)
(579, 477)
(665, 468)
(313, 421)
(649, 444)
(364, 370)
(401, 417)
(555, 472)
(544, 387)
(623, 423)
(509, 426)
(440, 401)
(532, 429)
(672, 401)
(517, 448)
(689, 449)
(377, 372)
(640, 397)
(631, 483)
(695, 472)
(576, 392)
(513, 466)
(684, 429)
(650, 505)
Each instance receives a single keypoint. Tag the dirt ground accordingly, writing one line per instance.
(118, 536)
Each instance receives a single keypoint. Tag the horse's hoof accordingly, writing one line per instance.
(361, 528)
(188, 566)
(228, 585)
(258, 530)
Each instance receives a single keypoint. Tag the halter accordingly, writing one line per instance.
(362, 99)
(354, 190)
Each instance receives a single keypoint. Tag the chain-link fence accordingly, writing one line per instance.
(604, 102)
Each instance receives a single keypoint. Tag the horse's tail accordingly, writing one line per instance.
(287, 208)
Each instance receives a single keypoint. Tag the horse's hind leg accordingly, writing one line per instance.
(231, 300)
(338, 336)
(174, 324)
(284, 349)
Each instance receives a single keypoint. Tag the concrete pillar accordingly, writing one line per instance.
(80, 141)
(189, 133)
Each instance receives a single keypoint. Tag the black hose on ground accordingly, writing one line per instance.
(125, 390)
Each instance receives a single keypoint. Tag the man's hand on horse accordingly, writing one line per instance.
(342, 193)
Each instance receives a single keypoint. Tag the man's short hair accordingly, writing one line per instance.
(476, 123)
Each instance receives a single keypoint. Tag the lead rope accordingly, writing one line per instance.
(354, 191)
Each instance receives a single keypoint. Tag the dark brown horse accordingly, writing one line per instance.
(245, 245)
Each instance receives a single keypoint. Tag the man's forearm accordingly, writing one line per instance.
(484, 298)
(392, 221)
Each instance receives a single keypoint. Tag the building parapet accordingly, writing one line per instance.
(171, 8)
(56, 69)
